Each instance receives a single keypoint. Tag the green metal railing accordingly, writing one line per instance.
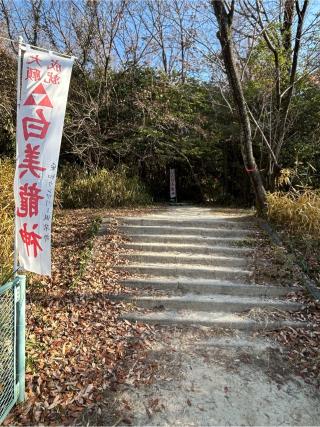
(12, 344)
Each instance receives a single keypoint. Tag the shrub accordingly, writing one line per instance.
(101, 189)
(6, 217)
(299, 211)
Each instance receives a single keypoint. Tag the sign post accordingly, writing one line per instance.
(173, 189)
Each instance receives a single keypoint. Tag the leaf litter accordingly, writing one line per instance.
(76, 343)
(300, 346)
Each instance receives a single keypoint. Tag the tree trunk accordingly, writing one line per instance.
(285, 91)
(225, 37)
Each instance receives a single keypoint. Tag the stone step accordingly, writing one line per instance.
(211, 241)
(212, 319)
(238, 341)
(188, 248)
(180, 222)
(131, 230)
(180, 258)
(185, 270)
(202, 286)
(216, 303)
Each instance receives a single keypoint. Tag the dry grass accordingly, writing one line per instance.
(298, 211)
(101, 189)
(6, 217)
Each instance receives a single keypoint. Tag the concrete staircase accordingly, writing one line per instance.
(190, 266)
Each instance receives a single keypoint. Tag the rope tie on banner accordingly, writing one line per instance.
(248, 170)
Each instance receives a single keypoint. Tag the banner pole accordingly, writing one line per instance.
(20, 41)
(21, 339)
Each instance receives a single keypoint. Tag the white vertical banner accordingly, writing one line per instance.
(45, 79)
(173, 191)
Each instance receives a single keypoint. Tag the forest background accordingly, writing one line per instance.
(150, 91)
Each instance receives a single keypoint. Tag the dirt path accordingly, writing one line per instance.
(208, 378)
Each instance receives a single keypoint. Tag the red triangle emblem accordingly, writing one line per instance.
(30, 101)
(39, 90)
(46, 102)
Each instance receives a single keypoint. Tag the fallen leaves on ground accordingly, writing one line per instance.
(76, 342)
(300, 346)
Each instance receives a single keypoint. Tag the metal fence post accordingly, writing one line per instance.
(21, 336)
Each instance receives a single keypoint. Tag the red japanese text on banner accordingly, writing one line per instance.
(45, 79)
